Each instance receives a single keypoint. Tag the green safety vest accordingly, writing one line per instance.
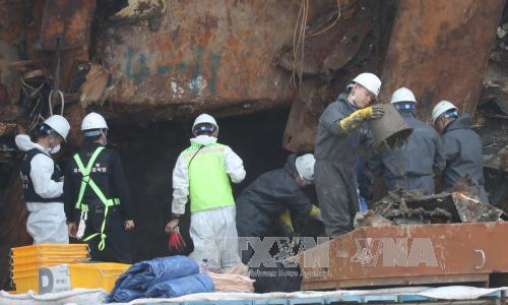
(88, 181)
(209, 184)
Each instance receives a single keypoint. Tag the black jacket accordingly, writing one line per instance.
(335, 146)
(412, 166)
(463, 153)
(261, 204)
(108, 175)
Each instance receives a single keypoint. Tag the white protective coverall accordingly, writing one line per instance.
(46, 222)
(213, 231)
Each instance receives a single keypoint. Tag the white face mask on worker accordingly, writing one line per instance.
(53, 150)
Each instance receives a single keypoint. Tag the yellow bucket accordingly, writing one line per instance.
(49, 248)
(96, 275)
(26, 282)
(29, 259)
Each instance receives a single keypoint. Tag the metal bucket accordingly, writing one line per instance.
(390, 131)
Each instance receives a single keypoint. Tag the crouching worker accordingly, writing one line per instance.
(204, 171)
(274, 197)
(43, 182)
(97, 198)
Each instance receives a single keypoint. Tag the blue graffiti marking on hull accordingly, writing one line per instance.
(215, 72)
(139, 71)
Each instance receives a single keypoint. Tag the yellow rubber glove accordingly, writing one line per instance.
(286, 220)
(357, 118)
(315, 213)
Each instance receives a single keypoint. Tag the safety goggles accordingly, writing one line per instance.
(96, 132)
(205, 128)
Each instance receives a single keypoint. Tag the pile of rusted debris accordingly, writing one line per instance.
(491, 122)
(400, 207)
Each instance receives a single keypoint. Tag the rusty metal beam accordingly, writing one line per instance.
(402, 280)
(403, 255)
(439, 49)
(66, 23)
(206, 56)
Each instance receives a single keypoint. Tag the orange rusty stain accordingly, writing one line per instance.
(232, 43)
(261, 7)
(207, 28)
(181, 12)
(166, 45)
(455, 255)
(70, 21)
(205, 38)
(432, 38)
(76, 24)
(234, 60)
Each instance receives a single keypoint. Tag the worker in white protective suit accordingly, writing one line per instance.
(43, 182)
(204, 171)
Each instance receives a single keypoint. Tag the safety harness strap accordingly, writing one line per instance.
(87, 181)
(102, 244)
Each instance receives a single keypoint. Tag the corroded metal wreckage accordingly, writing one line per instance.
(399, 207)
(408, 255)
(438, 49)
(136, 62)
(412, 239)
(143, 61)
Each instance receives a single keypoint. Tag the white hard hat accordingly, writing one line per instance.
(403, 95)
(441, 108)
(370, 81)
(204, 118)
(305, 166)
(59, 124)
(93, 120)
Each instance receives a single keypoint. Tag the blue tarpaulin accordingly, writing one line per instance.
(155, 276)
(195, 283)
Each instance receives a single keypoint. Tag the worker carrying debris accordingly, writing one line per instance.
(337, 149)
(97, 198)
(275, 194)
(462, 148)
(412, 166)
(43, 182)
(204, 171)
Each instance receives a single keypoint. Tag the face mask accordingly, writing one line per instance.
(105, 137)
(53, 150)
(352, 101)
